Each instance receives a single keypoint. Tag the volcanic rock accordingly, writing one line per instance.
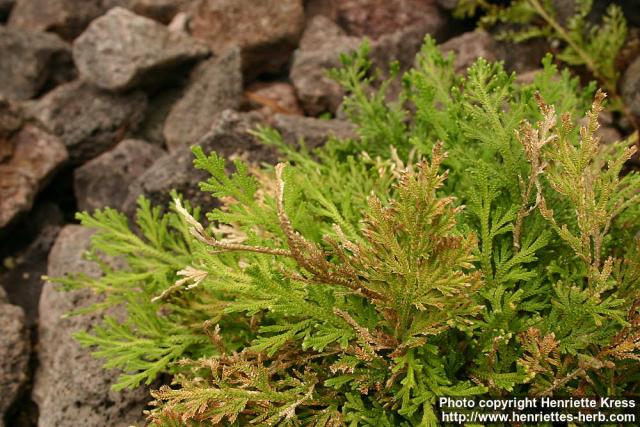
(228, 135)
(30, 61)
(267, 31)
(88, 120)
(320, 48)
(630, 87)
(274, 97)
(470, 46)
(35, 156)
(215, 85)
(70, 385)
(14, 354)
(374, 18)
(99, 183)
(68, 18)
(122, 50)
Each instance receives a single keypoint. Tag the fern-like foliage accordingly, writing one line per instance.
(470, 241)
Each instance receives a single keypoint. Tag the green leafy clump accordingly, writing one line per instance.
(470, 241)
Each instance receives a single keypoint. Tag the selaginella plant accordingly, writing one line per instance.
(470, 241)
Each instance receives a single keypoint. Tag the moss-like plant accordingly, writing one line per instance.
(468, 242)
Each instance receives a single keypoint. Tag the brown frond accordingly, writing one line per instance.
(533, 139)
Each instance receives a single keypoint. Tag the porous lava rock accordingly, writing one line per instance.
(320, 48)
(267, 31)
(30, 61)
(30, 158)
(88, 120)
(322, 44)
(68, 18)
(14, 354)
(630, 87)
(228, 135)
(122, 50)
(71, 386)
(99, 183)
(374, 18)
(274, 97)
(470, 46)
(23, 279)
(161, 10)
(215, 85)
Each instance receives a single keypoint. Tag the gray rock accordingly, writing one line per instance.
(14, 354)
(35, 156)
(266, 31)
(374, 18)
(122, 50)
(565, 10)
(314, 132)
(87, 120)
(29, 60)
(65, 17)
(99, 182)
(273, 97)
(401, 46)
(630, 87)
(470, 46)
(325, 8)
(22, 280)
(228, 135)
(11, 120)
(520, 57)
(528, 77)
(160, 10)
(320, 48)
(173, 171)
(609, 135)
(152, 127)
(70, 385)
(215, 85)
(69, 18)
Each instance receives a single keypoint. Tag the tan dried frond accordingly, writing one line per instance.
(198, 231)
(190, 275)
(231, 234)
(266, 180)
(533, 140)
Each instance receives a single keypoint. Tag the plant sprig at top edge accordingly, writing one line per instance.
(582, 43)
(490, 250)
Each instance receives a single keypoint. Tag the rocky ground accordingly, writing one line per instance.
(99, 103)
